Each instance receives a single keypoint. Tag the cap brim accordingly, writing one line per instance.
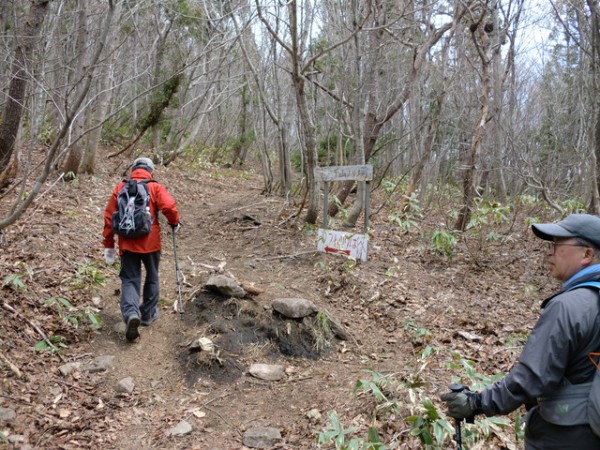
(548, 231)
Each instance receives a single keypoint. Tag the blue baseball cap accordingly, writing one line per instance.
(584, 226)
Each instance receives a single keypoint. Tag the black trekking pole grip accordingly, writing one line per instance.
(458, 436)
(180, 302)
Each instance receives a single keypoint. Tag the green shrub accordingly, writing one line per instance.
(72, 315)
(444, 243)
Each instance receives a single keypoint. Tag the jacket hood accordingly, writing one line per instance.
(141, 174)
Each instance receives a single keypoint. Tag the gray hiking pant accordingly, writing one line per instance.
(131, 280)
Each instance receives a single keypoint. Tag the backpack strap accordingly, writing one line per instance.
(145, 182)
(595, 284)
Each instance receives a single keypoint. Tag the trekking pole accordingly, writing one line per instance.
(457, 436)
(180, 302)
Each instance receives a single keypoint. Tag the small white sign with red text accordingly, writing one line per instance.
(351, 245)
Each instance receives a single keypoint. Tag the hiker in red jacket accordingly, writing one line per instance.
(141, 250)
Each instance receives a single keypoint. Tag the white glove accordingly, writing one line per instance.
(176, 227)
(109, 255)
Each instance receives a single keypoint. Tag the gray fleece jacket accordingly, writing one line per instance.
(566, 332)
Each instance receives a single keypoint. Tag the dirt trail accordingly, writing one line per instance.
(221, 401)
(403, 299)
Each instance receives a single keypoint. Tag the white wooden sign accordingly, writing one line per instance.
(338, 242)
(346, 244)
(340, 173)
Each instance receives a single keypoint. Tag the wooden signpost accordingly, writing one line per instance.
(338, 242)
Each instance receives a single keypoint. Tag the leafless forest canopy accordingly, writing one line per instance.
(485, 99)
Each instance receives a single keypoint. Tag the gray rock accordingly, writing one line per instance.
(68, 368)
(267, 372)
(100, 364)
(265, 437)
(181, 429)
(338, 329)
(7, 415)
(294, 308)
(125, 386)
(225, 286)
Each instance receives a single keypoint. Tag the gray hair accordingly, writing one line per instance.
(587, 243)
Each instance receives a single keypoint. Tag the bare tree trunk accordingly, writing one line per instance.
(21, 72)
(88, 160)
(310, 152)
(285, 165)
(370, 81)
(595, 100)
(484, 49)
(436, 113)
(308, 129)
(285, 170)
(241, 143)
(97, 115)
(157, 76)
(71, 165)
(264, 158)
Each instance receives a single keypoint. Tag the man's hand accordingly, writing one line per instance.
(176, 227)
(109, 255)
(462, 405)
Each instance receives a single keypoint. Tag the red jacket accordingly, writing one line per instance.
(160, 200)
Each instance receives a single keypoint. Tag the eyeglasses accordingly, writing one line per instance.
(552, 246)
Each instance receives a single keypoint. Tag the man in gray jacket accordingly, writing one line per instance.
(553, 375)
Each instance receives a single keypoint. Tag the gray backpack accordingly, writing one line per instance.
(132, 218)
(593, 407)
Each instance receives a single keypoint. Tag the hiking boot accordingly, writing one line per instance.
(152, 318)
(131, 331)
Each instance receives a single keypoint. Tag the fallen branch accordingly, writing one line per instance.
(195, 292)
(287, 256)
(213, 268)
(218, 397)
(11, 366)
(251, 289)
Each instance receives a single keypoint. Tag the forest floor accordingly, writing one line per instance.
(409, 310)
